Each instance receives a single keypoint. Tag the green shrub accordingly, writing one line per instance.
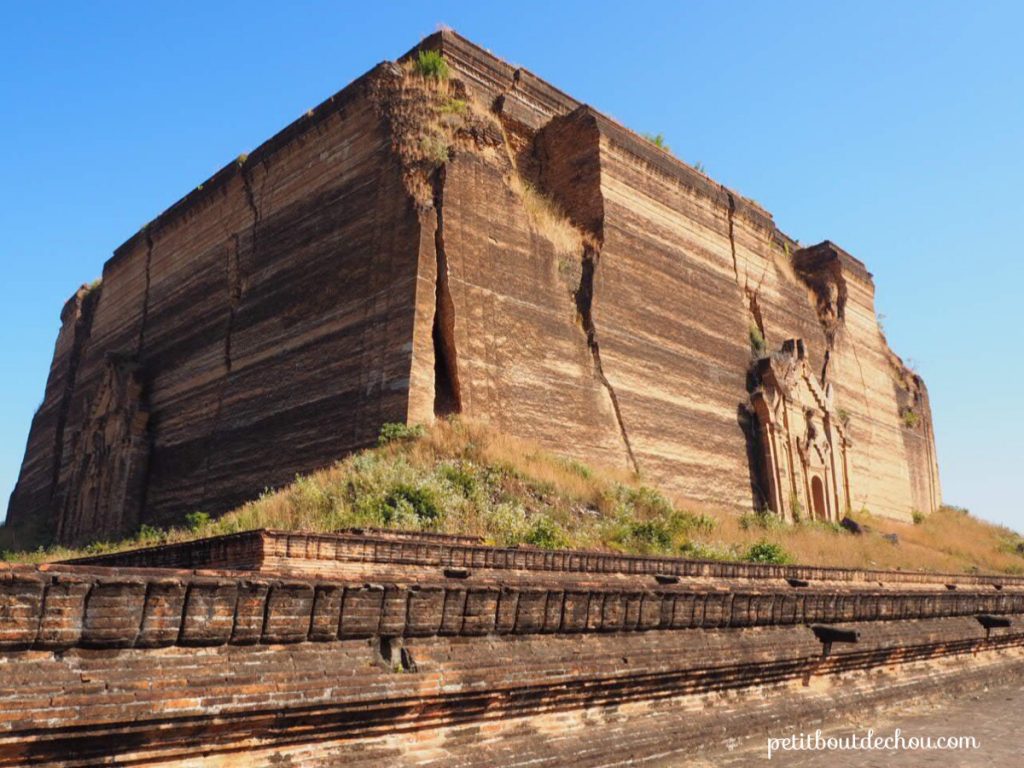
(196, 521)
(396, 431)
(547, 534)
(435, 150)
(766, 552)
(910, 418)
(150, 534)
(757, 342)
(432, 64)
(405, 501)
(764, 520)
(658, 140)
(700, 551)
(459, 476)
(578, 468)
(917, 516)
(648, 536)
(454, 107)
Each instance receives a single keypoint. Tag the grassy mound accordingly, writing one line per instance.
(461, 477)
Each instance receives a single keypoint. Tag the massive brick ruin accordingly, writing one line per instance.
(399, 253)
(385, 649)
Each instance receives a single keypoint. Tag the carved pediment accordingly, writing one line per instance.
(803, 442)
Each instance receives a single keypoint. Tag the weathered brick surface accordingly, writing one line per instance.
(145, 664)
(325, 555)
(284, 309)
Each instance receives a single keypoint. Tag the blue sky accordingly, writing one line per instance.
(894, 129)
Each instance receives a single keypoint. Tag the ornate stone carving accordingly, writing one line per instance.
(803, 443)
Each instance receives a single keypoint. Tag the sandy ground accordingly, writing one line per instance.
(993, 717)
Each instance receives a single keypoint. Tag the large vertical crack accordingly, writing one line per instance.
(141, 341)
(447, 387)
(732, 235)
(584, 305)
(233, 281)
(81, 333)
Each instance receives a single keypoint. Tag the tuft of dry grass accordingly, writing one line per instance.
(461, 476)
(548, 220)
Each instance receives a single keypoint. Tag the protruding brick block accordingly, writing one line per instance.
(63, 612)
(361, 611)
(682, 612)
(531, 611)
(553, 611)
(481, 611)
(210, 613)
(650, 611)
(327, 600)
(454, 611)
(21, 609)
(113, 613)
(289, 608)
(715, 609)
(161, 616)
(508, 607)
(392, 621)
(426, 609)
(250, 608)
(576, 606)
(613, 612)
(632, 617)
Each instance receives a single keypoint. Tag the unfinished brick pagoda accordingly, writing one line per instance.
(390, 256)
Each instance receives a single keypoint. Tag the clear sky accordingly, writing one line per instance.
(895, 129)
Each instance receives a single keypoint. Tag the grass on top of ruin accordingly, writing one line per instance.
(462, 477)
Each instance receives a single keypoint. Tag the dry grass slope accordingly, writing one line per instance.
(462, 477)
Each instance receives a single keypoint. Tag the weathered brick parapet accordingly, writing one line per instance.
(146, 608)
(383, 648)
(317, 552)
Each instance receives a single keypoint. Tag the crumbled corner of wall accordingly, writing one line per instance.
(911, 396)
(432, 119)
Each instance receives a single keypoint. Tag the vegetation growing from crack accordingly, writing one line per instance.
(548, 220)
(910, 418)
(431, 64)
(757, 343)
(431, 116)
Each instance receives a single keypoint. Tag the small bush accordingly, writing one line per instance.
(844, 416)
(150, 534)
(658, 140)
(763, 520)
(701, 551)
(910, 418)
(196, 521)
(432, 64)
(648, 536)
(397, 431)
(766, 552)
(435, 150)
(460, 476)
(454, 107)
(405, 501)
(917, 516)
(757, 342)
(547, 534)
